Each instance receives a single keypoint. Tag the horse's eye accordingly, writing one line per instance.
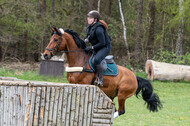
(55, 40)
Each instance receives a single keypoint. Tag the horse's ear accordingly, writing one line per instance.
(56, 30)
(52, 29)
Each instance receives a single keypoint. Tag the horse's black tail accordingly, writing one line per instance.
(151, 98)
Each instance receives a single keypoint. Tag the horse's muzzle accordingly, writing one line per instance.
(46, 56)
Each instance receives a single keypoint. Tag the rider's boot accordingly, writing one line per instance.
(100, 69)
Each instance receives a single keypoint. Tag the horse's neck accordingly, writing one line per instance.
(74, 57)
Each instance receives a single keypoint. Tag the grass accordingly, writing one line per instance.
(31, 75)
(176, 107)
(175, 97)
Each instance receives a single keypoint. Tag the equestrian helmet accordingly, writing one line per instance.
(95, 14)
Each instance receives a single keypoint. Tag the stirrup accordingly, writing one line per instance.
(98, 83)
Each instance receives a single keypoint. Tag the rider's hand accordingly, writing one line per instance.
(89, 48)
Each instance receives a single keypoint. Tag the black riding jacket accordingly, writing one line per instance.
(98, 36)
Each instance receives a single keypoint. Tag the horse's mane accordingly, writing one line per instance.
(80, 43)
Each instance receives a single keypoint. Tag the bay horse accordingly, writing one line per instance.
(124, 85)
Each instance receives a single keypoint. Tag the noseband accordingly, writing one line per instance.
(57, 47)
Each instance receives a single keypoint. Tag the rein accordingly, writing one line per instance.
(73, 51)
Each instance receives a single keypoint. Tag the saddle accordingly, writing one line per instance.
(108, 62)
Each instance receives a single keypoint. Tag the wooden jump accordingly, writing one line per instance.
(27, 103)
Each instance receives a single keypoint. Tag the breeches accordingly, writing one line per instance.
(101, 54)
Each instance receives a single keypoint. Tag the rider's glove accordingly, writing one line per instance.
(89, 48)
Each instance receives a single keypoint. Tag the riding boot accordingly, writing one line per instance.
(100, 69)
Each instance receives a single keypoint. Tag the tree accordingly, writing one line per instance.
(124, 29)
(179, 42)
(0, 51)
(152, 6)
(98, 9)
(139, 32)
(25, 35)
(53, 8)
(43, 15)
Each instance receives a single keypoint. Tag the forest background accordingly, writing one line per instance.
(139, 29)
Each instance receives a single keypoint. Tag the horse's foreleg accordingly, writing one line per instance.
(124, 92)
(121, 109)
(121, 101)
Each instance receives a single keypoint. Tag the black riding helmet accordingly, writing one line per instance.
(94, 14)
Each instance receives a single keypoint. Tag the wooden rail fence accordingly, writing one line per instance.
(26, 103)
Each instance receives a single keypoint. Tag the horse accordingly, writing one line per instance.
(124, 85)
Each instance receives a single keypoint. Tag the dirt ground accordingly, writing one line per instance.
(20, 66)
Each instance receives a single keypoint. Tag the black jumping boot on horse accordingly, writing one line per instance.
(100, 69)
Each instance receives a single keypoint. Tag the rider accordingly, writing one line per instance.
(101, 43)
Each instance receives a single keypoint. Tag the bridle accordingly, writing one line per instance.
(57, 47)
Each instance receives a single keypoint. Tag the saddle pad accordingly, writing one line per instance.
(111, 70)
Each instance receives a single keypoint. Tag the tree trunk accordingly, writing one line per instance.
(163, 30)
(98, 9)
(139, 32)
(43, 7)
(0, 51)
(90, 5)
(124, 29)
(165, 71)
(43, 13)
(25, 38)
(151, 29)
(179, 43)
(53, 8)
(109, 10)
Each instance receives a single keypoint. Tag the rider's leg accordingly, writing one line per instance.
(100, 65)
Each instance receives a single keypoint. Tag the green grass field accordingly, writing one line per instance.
(175, 97)
(176, 107)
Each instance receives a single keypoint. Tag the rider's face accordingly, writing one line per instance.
(90, 20)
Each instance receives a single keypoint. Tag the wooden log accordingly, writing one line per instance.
(85, 106)
(68, 107)
(77, 106)
(64, 108)
(60, 107)
(37, 106)
(42, 107)
(165, 71)
(47, 106)
(73, 103)
(55, 108)
(81, 107)
(31, 115)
